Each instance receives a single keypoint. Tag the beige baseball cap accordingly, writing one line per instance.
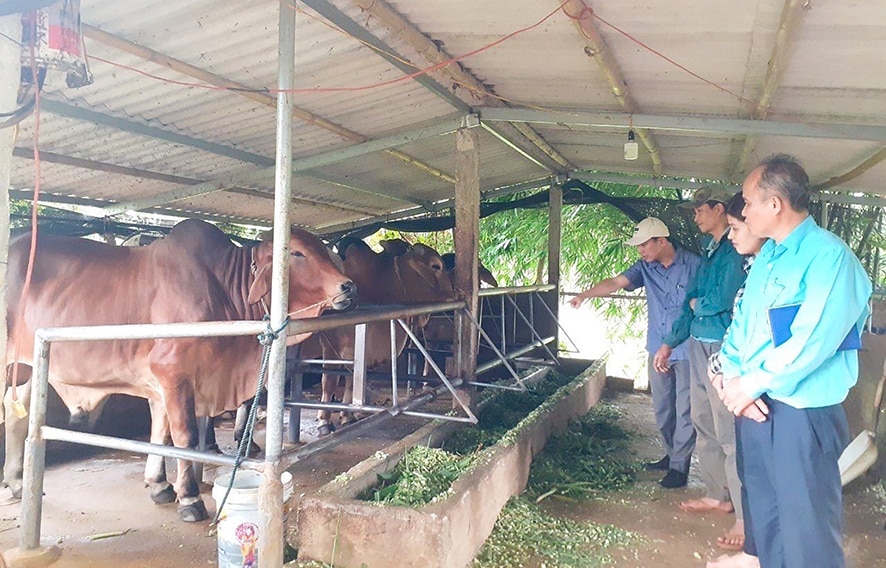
(648, 228)
(709, 193)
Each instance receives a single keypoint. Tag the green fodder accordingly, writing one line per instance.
(422, 474)
(525, 535)
(587, 459)
(425, 473)
(502, 413)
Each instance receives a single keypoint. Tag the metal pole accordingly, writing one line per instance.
(498, 353)
(515, 353)
(35, 449)
(271, 490)
(449, 385)
(358, 389)
(531, 327)
(99, 441)
(394, 397)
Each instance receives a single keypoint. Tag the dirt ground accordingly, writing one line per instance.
(92, 493)
(674, 539)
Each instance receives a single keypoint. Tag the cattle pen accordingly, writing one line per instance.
(346, 117)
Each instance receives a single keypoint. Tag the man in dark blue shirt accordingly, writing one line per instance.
(665, 272)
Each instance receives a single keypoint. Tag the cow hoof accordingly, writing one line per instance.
(254, 450)
(325, 429)
(194, 512)
(164, 497)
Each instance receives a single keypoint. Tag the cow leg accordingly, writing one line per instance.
(179, 398)
(347, 398)
(155, 466)
(240, 421)
(329, 384)
(16, 431)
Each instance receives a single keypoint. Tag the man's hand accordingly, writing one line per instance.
(757, 411)
(577, 300)
(692, 304)
(717, 381)
(660, 361)
(735, 399)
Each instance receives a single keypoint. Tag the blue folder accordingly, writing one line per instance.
(781, 318)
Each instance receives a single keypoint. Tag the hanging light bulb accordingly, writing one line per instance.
(632, 149)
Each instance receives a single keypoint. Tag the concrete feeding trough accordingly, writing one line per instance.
(334, 526)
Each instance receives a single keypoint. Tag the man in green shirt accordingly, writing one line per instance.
(707, 312)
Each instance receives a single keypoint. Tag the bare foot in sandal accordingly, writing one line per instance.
(740, 560)
(734, 537)
(706, 505)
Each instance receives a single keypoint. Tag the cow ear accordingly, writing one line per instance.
(261, 286)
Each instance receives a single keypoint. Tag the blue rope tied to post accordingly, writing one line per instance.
(266, 339)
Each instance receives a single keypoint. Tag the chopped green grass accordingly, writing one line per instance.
(423, 474)
(525, 535)
(586, 460)
(427, 473)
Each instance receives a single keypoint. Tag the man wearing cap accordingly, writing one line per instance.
(666, 272)
(702, 324)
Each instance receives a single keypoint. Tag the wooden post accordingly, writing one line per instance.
(555, 226)
(467, 228)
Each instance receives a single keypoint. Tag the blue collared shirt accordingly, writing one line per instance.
(814, 268)
(665, 293)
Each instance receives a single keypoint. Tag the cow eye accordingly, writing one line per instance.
(297, 254)
(436, 267)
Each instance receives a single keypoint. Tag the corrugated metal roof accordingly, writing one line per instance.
(834, 72)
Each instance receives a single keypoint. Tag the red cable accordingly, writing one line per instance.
(34, 206)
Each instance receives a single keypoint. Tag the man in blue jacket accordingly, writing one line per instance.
(789, 394)
(706, 314)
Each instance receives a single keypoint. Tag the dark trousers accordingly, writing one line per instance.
(750, 546)
(790, 472)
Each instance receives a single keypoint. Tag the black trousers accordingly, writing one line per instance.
(789, 466)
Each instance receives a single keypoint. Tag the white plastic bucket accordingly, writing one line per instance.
(238, 528)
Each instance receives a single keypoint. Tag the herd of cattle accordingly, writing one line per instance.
(194, 274)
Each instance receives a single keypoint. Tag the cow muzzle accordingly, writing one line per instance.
(346, 295)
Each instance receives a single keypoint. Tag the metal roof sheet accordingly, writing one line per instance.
(684, 59)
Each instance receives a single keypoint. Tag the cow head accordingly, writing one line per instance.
(316, 281)
(427, 276)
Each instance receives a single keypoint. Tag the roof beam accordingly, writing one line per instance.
(784, 41)
(298, 165)
(518, 137)
(51, 157)
(607, 177)
(688, 123)
(77, 113)
(376, 192)
(582, 17)
(251, 93)
(325, 230)
(627, 179)
(861, 168)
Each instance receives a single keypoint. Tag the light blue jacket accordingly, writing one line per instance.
(814, 268)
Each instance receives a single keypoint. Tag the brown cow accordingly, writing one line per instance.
(194, 274)
(440, 331)
(416, 275)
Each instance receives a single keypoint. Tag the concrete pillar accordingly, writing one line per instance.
(10, 69)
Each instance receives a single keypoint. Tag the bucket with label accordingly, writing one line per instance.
(238, 528)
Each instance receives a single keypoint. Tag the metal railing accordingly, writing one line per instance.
(39, 432)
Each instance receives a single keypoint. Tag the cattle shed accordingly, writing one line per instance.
(392, 110)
